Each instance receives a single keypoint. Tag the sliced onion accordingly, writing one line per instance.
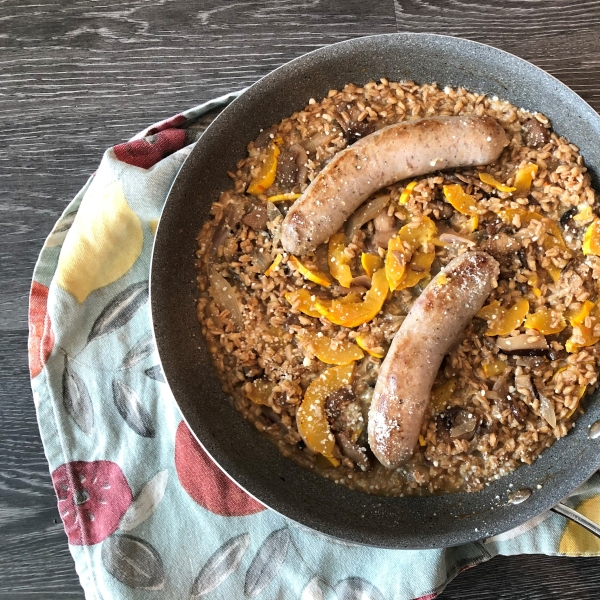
(465, 427)
(220, 235)
(522, 343)
(225, 298)
(301, 158)
(318, 140)
(230, 218)
(523, 382)
(272, 214)
(272, 211)
(453, 238)
(547, 409)
(262, 260)
(365, 212)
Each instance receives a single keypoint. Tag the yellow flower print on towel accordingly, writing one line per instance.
(576, 540)
(104, 242)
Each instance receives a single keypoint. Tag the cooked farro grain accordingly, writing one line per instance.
(498, 400)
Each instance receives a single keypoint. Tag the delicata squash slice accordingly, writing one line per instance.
(338, 263)
(311, 418)
(265, 177)
(406, 261)
(330, 351)
(502, 319)
(353, 314)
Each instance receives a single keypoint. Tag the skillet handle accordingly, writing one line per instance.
(578, 518)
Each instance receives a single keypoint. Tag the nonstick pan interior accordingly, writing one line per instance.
(251, 460)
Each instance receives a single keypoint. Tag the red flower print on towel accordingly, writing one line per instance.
(205, 482)
(92, 499)
(146, 152)
(41, 336)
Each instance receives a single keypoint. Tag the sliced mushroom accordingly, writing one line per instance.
(534, 133)
(291, 167)
(501, 390)
(271, 414)
(523, 382)
(361, 281)
(527, 390)
(339, 290)
(525, 344)
(357, 130)
(537, 391)
(234, 210)
(343, 413)
(492, 223)
(502, 247)
(353, 451)
(400, 257)
(506, 400)
(518, 409)
(265, 136)
(383, 221)
(454, 238)
(566, 219)
(381, 239)
(554, 354)
(444, 210)
(257, 217)
(336, 403)
(456, 423)
(321, 257)
(533, 362)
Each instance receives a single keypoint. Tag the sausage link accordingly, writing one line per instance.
(433, 325)
(391, 154)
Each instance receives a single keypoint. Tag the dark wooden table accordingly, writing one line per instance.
(81, 75)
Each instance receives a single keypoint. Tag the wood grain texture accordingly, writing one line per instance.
(79, 76)
(558, 36)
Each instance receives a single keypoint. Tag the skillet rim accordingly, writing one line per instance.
(470, 522)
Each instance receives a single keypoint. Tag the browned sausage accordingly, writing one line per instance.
(391, 154)
(434, 323)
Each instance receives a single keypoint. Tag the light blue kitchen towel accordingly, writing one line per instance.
(146, 511)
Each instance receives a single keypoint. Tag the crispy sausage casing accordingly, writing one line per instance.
(433, 325)
(396, 152)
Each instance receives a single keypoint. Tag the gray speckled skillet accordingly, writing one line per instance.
(236, 446)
